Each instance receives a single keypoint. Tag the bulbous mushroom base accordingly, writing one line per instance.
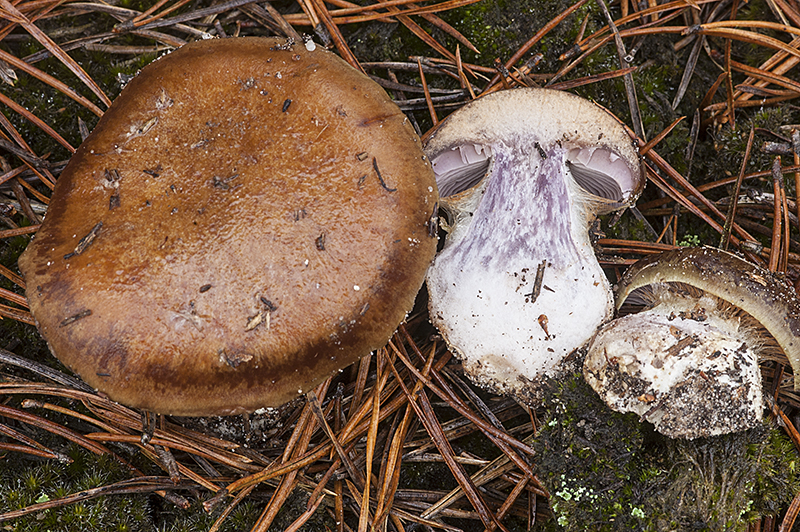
(507, 337)
(678, 367)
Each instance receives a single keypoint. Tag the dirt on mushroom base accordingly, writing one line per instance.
(685, 371)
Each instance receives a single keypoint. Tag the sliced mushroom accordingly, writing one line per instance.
(522, 174)
(249, 217)
(688, 363)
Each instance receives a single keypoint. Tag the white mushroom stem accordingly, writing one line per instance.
(485, 278)
(517, 287)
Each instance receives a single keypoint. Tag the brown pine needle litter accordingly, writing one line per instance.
(354, 445)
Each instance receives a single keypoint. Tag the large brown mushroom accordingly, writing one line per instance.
(249, 217)
(689, 360)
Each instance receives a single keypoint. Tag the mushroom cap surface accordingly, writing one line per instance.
(522, 174)
(247, 218)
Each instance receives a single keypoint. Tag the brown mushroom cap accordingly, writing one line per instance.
(247, 218)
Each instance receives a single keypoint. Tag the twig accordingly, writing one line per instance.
(7, 357)
(777, 184)
(630, 88)
(431, 109)
(726, 232)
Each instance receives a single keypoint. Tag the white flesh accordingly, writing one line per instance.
(528, 211)
(679, 366)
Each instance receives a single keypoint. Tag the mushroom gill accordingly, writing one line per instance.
(522, 174)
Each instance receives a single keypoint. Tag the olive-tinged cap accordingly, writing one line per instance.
(248, 217)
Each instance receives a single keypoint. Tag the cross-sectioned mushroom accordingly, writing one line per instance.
(688, 362)
(250, 216)
(522, 174)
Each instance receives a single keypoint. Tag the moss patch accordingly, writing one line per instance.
(607, 471)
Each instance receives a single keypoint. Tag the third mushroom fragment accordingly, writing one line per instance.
(522, 174)
(688, 363)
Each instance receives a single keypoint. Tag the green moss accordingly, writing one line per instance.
(296, 505)
(730, 142)
(607, 471)
(498, 28)
(26, 482)
(693, 233)
(53, 107)
(245, 515)
(628, 228)
(727, 481)
(590, 460)
(748, 53)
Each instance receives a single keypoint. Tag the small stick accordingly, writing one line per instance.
(725, 240)
(354, 473)
(775, 252)
(86, 241)
(341, 45)
(784, 262)
(431, 110)
(537, 282)
(796, 150)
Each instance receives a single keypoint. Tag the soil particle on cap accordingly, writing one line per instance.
(223, 183)
(153, 172)
(245, 84)
(164, 101)
(144, 129)
(262, 318)
(234, 359)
